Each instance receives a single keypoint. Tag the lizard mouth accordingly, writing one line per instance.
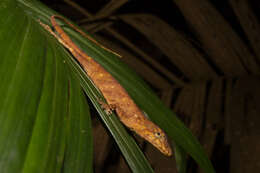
(162, 145)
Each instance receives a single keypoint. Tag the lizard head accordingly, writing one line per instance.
(156, 137)
(145, 128)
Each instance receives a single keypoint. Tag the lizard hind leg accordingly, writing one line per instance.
(48, 28)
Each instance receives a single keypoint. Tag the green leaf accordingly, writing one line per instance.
(37, 102)
(181, 159)
(48, 137)
(79, 154)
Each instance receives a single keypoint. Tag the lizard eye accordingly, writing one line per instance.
(157, 134)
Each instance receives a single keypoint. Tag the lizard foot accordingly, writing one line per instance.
(108, 108)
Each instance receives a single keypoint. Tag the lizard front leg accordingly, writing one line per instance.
(108, 108)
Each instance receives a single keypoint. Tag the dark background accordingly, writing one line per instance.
(201, 57)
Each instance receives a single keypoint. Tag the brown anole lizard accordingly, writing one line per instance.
(115, 95)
